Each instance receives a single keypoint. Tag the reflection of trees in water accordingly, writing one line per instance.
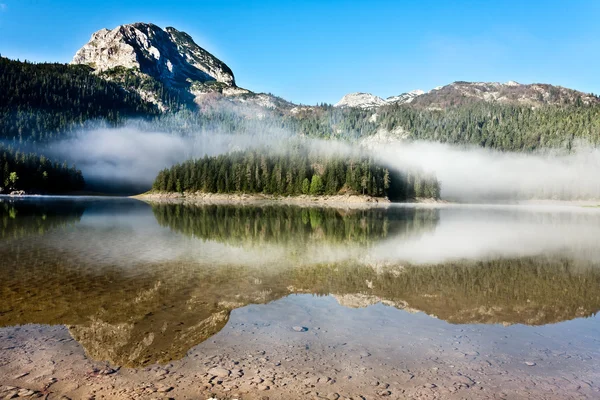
(23, 218)
(157, 315)
(284, 224)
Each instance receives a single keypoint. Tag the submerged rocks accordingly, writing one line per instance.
(300, 328)
(530, 363)
(219, 372)
(11, 392)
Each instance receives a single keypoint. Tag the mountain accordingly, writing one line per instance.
(369, 101)
(162, 80)
(461, 93)
(360, 100)
(405, 97)
(511, 92)
(170, 56)
(165, 67)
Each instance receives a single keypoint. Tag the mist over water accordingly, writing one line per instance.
(477, 174)
(130, 157)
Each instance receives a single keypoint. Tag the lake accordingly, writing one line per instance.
(117, 298)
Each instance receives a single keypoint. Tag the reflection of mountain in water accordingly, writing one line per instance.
(19, 219)
(161, 311)
(283, 224)
(531, 291)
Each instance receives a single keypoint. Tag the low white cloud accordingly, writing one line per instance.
(475, 174)
(130, 155)
(134, 154)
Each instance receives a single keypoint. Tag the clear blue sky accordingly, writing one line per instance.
(317, 51)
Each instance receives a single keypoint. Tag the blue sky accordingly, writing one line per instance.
(317, 51)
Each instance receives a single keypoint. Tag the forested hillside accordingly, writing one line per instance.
(504, 127)
(293, 172)
(35, 173)
(39, 102)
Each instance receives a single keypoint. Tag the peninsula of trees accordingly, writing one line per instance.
(297, 171)
(35, 173)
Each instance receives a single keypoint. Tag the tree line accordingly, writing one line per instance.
(295, 171)
(503, 127)
(34, 173)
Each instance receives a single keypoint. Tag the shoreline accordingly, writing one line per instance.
(263, 199)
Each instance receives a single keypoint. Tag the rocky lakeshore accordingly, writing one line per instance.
(265, 352)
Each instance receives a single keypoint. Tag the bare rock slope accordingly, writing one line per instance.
(511, 92)
(369, 101)
(170, 56)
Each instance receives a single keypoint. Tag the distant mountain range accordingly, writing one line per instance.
(170, 60)
(459, 93)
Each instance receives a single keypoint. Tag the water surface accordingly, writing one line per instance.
(139, 285)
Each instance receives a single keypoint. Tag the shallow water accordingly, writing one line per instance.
(403, 288)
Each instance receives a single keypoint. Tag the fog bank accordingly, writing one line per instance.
(474, 174)
(131, 157)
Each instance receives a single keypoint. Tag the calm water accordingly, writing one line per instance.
(139, 284)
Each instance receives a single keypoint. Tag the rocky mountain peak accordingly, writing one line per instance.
(368, 100)
(405, 97)
(361, 100)
(170, 56)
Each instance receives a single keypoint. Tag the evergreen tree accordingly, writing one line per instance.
(294, 172)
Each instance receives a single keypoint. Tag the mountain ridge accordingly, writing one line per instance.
(368, 100)
(462, 92)
(168, 60)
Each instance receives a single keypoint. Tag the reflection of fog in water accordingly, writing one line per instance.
(126, 232)
(480, 233)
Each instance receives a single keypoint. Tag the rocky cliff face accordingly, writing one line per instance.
(361, 100)
(405, 97)
(169, 56)
(144, 58)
